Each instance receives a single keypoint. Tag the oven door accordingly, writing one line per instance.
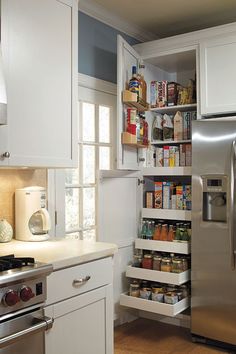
(24, 334)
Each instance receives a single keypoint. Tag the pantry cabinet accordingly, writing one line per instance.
(39, 42)
(218, 75)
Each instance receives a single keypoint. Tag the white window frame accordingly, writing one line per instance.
(56, 178)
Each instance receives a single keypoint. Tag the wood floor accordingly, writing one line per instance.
(152, 337)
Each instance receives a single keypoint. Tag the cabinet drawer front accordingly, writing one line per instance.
(72, 281)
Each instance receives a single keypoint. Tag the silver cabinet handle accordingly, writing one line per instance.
(40, 325)
(231, 215)
(81, 281)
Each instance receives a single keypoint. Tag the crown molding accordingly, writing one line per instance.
(97, 84)
(100, 13)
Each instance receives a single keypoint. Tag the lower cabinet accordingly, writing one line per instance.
(83, 323)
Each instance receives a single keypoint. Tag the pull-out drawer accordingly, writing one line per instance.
(65, 283)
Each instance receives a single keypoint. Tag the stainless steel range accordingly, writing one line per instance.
(22, 296)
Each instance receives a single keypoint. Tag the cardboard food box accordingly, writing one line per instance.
(159, 157)
(149, 200)
(188, 155)
(166, 195)
(179, 197)
(182, 155)
(187, 197)
(166, 155)
(158, 195)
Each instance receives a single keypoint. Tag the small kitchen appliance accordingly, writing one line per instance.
(31, 216)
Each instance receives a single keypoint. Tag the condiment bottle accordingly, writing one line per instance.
(157, 232)
(164, 232)
(143, 84)
(147, 261)
(170, 235)
(134, 83)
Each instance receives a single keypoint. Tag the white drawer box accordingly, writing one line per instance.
(65, 283)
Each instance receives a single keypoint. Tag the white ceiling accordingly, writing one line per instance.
(169, 17)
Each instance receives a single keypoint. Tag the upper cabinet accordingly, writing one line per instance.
(165, 64)
(218, 75)
(39, 42)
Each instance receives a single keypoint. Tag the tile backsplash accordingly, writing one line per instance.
(12, 179)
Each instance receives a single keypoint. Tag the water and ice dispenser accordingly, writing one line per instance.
(214, 198)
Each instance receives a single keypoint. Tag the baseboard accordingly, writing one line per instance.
(180, 320)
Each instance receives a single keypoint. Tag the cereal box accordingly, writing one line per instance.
(182, 154)
(187, 197)
(188, 155)
(158, 195)
(153, 94)
(159, 157)
(179, 197)
(149, 200)
(166, 155)
(166, 195)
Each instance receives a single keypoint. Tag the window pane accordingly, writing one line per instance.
(104, 124)
(88, 121)
(88, 207)
(74, 236)
(89, 235)
(88, 164)
(104, 158)
(72, 208)
(72, 176)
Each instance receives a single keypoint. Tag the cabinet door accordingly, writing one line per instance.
(39, 41)
(218, 75)
(127, 157)
(82, 325)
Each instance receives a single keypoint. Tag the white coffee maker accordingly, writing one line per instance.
(32, 220)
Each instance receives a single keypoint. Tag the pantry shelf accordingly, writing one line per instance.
(167, 214)
(154, 306)
(130, 140)
(167, 171)
(157, 276)
(163, 246)
(172, 109)
(130, 99)
(172, 142)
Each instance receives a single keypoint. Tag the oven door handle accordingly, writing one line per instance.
(44, 323)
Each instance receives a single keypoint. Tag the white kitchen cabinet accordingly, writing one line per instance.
(83, 312)
(39, 42)
(218, 75)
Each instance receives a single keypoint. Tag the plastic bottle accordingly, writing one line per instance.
(144, 229)
(134, 83)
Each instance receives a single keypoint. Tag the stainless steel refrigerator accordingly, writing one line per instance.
(213, 304)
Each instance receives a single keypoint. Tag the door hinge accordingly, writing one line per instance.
(55, 217)
(140, 181)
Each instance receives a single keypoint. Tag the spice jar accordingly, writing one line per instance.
(147, 261)
(166, 265)
(177, 265)
(156, 265)
(134, 290)
(164, 232)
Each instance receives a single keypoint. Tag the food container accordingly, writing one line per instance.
(185, 263)
(166, 265)
(179, 293)
(137, 261)
(177, 265)
(147, 261)
(146, 293)
(134, 290)
(156, 265)
(157, 296)
(185, 291)
(171, 298)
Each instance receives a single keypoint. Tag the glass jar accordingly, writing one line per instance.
(146, 293)
(147, 261)
(166, 264)
(177, 265)
(171, 298)
(177, 233)
(157, 295)
(185, 290)
(137, 261)
(164, 232)
(156, 265)
(134, 290)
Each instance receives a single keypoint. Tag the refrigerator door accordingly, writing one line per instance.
(213, 226)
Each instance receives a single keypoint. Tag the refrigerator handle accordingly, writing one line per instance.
(231, 214)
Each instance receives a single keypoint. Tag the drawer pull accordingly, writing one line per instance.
(81, 281)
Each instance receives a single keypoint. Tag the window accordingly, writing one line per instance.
(95, 152)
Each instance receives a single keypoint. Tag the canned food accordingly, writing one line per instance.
(146, 293)
(171, 298)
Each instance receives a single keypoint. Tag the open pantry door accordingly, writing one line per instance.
(127, 157)
(119, 212)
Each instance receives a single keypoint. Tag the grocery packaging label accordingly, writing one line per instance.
(158, 195)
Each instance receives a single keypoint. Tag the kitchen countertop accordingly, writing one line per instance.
(60, 252)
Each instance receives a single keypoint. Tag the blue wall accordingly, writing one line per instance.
(97, 48)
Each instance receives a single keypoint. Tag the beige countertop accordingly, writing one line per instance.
(61, 253)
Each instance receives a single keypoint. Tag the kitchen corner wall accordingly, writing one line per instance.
(12, 179)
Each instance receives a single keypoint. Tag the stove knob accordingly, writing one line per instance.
(26, 293)
(11, 298)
